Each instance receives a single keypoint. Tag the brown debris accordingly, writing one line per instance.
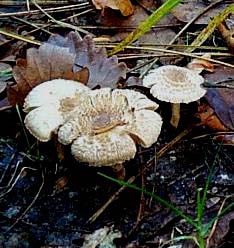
(45, 63)
(228, 36)
(125, 6)
(222, 102)
(66, 58)
(208, 118)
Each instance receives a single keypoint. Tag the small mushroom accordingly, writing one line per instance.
(43, 104)
(176, 85)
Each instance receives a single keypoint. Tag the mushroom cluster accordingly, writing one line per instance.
(176, 85)
(102, 126)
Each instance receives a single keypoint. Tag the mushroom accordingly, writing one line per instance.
(176, 85)
(106, 126)
(43, 106)
(102, 126)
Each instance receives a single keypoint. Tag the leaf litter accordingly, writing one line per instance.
(54, 218)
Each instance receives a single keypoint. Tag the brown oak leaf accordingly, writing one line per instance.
(208, 118)
(222, 101)
(125, 6)
(45, 63)
(103, 71)
(67, 57)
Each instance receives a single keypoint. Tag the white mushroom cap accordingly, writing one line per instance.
(137, 100)
(175, 84)
(45, 106)
(51, 92)
(146, 127)
(106, 126)
(104, 149)
(43, 121)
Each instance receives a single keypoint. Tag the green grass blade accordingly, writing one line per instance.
(22, 125)
(199, 208)
(146, 25)
(210, 28)
(176, 210)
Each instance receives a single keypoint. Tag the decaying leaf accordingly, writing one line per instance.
(189, 9)
(125, 6)
(208, 118)
(156, 36)
(222, 99)
(5, 74)
(226, 139)
(228, 35)
(66, 58)
(101, 238)
(221, 230)
(42, 64)
(61, 183)
(103, 71)
(200, 64)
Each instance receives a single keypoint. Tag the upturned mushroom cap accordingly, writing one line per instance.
(44, 104)
(175, 84)
(108, 124)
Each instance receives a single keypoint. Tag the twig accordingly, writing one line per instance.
(31, 24)
(142, 200)
(65, 8)
(60, 23)
(216, 222)
(19, 37)
(178, 53)
(30, 205)
(16, 180)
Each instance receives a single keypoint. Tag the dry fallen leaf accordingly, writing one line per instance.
(226, 139)
(67, 58)
(222, 99)
(189, 9)
(125, 6)
(209, 118)
(221, 230)
(200, 64)
(103, 71)
(228, 35)
(42, 64)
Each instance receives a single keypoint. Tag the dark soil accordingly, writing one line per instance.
(59, 216)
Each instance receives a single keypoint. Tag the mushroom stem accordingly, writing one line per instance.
(119, 171)
(175, 114)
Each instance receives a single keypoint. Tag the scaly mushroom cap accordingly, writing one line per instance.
(175, 84)
(104, 128)
(43, 104)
